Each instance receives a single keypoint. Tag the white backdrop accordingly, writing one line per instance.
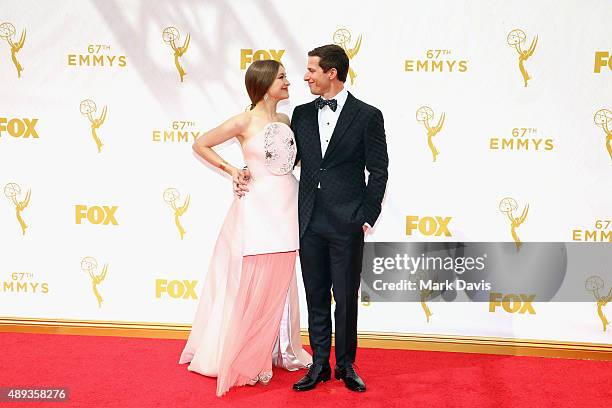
(566, 181)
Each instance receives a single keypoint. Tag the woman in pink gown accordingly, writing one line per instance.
(248, 315)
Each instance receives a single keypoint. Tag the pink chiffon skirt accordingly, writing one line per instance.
(256, 319)
(250, 343)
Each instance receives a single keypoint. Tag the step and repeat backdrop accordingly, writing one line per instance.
(498, 117)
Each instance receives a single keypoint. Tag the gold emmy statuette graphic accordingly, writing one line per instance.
(7, 32)
(171, 195)
(593, 284)
(424, 114)
(603, 119)
(422, 276)
(88, 107)
(11, 191)
(515, 38)
(508, 205)
(342, 37)
(90, 265)
(171, 35)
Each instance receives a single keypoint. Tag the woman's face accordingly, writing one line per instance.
(280, 87)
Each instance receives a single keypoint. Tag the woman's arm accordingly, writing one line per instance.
(233, 127)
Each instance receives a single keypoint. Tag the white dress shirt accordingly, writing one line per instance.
(328, 119)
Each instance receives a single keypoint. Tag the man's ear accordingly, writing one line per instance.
(333, 73)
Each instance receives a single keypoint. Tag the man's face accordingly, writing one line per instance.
(318, 81)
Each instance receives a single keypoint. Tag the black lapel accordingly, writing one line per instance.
(314, 139)
(350, 109)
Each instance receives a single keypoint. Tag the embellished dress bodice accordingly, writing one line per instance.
(270, 216)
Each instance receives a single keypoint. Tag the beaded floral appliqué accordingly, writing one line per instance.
(280, 150)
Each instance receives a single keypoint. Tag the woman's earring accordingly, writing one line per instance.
(266, 97)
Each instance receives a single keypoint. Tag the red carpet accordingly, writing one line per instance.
(125, 372)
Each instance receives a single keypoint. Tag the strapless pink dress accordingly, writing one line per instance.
(248, 315)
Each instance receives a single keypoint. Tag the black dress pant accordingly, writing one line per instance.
(331, 260)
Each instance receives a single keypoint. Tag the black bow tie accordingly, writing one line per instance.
(320, 103)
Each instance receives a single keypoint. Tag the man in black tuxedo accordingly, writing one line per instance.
(338, 137)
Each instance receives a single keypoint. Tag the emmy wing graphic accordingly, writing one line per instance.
(7, 32)
(11, 191)
(171, 35)
(603, 119)
(424, 114)
(507, 206)
(515, 39)
(90, 265)
(88, 108)
(342, 37)
(593, 284)
(171, 196)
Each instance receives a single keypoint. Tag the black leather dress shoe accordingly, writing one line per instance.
(316, 373)
(351, 379)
